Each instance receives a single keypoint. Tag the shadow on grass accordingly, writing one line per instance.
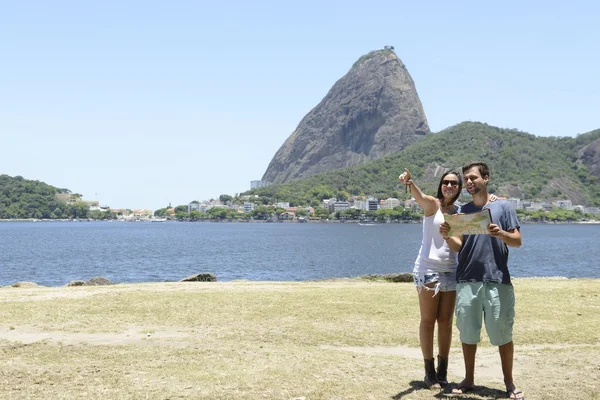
(479, 392)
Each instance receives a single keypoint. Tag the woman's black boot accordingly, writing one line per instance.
(442, 371)
(430, 379)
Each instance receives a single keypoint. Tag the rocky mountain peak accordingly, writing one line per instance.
(372, 111)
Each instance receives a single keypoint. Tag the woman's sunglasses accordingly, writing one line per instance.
(451, 183)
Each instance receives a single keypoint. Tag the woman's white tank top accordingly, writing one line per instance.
(435, 254)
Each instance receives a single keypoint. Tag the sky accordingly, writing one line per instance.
(142, 104)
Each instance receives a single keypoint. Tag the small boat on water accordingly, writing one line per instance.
(158, 219)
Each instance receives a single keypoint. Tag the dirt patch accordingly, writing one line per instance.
(134, 336)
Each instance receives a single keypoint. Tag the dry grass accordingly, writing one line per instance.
(347, 339)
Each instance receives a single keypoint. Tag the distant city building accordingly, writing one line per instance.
(142, 213)
(338, 206)
(371, 204)
(237, 207)
(193, 206)
(282, 205)
(412, 204)
(359, 205)
(259, 184)
(515, 203)
(326, 202)
(566, 204)
(537, 206)
(248, 207)
(391, 203)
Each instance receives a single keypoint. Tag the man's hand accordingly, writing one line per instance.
(510, 238)
(494, 230)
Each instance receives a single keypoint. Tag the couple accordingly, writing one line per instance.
(470, 270)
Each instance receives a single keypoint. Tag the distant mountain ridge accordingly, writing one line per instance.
(372, 111)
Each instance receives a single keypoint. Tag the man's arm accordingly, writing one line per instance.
(511, 237)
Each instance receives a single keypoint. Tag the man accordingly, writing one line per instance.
(483, 280)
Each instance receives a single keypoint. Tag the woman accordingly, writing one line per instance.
(435, 274)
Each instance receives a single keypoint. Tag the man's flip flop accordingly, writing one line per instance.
(514, 394)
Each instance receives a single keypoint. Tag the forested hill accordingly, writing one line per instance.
(522, 165)
(22, 198)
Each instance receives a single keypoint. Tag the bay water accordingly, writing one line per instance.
(55, 253)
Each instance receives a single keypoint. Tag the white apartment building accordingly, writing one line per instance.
(391, 203)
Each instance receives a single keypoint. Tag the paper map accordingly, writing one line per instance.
(469, 224)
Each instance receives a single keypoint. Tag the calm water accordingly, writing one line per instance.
(55, 253)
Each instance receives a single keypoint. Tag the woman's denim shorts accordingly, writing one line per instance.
(444, 281)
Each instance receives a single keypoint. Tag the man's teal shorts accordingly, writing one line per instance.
(495, 302)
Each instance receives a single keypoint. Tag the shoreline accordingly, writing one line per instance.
(376, 278)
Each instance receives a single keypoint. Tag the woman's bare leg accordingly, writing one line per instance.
(444, 321)
(428, 306)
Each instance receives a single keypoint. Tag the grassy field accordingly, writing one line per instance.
(342, 339)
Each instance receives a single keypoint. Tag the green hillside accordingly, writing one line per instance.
(522, 165)
(22, 198)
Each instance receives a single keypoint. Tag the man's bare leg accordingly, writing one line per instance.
(469, 352)
(506, 357)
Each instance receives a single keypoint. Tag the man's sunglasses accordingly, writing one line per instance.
(451, 183)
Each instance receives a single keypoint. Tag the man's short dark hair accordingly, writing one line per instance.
(483, 168)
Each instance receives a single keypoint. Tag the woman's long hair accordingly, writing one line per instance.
(440, 196)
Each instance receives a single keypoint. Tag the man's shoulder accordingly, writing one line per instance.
(497, 203)
(500, 204)
(468, 208)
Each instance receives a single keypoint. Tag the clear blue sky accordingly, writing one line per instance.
(138, 104)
